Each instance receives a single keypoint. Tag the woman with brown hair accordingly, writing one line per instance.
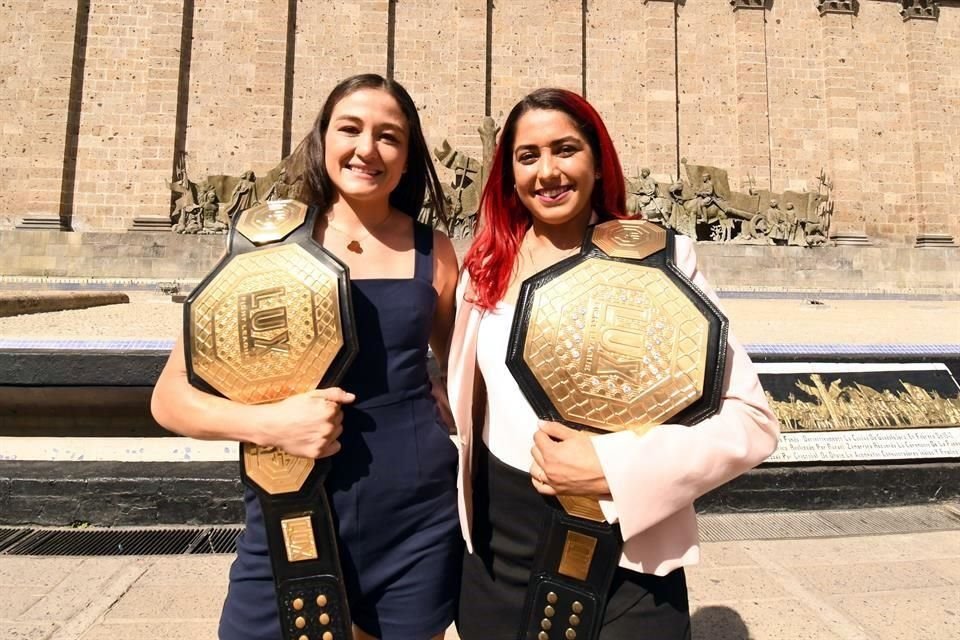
(392, 483)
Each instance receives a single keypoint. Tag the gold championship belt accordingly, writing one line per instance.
(614, 338)
(274, 319)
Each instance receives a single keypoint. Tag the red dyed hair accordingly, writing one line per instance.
(502, 219)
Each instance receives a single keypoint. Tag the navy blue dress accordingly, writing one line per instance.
(392, 486)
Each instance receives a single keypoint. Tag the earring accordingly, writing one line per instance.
(596, 176)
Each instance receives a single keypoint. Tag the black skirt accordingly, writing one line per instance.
(508, 515)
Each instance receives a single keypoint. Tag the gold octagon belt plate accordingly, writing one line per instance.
(267, 326)
(617, 337)
(275, 471)
(615, 345)
(271, 221)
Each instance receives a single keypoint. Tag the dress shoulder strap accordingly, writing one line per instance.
(423, 250)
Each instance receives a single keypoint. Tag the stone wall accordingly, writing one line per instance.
(440, 57)
(167, 256)
(128, 110)
(35, 102)
(102, 96)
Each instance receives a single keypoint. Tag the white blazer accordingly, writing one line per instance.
(653, 478)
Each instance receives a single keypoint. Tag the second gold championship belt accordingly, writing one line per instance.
(614, 338)
(273, 319)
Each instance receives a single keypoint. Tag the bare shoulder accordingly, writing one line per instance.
(447, 267)
(442, 244)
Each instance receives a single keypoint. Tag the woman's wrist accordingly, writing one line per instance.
(259, 424)
(247, 423)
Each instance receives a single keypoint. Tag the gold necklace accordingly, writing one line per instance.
(354, 243)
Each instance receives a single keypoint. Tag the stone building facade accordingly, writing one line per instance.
(100, 97)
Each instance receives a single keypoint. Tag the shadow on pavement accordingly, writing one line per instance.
(718, 623)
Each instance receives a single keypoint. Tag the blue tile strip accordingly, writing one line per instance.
(853, 349)
(834, 295)
(86, 345)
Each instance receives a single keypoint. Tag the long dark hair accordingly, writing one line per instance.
(504, 219)
(420, 176)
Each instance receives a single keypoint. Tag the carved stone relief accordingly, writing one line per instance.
(462, 193)
(700, 204)
(920, 9)
(704, 207)
(210, 205)
(838, 6)
(748, 4)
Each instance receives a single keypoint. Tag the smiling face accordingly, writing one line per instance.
(366, 144)
(553, 167)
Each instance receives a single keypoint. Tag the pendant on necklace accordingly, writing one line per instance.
(354, 246)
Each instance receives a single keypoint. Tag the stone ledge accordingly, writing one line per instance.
(161, 256)
(210, 493)
(119, 493)
(80, 367)
(841, 486)
(20, 303)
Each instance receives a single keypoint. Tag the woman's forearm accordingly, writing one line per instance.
(182, 408)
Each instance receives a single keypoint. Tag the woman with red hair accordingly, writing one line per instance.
(555, 171)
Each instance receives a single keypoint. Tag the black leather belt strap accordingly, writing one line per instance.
(573, 570)
(310, 593)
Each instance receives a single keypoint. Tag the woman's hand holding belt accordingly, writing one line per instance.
(307, 424)
(565, 462)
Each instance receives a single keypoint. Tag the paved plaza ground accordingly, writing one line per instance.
(805, 319)
(881, 587)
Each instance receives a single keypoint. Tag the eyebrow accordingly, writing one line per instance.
(397, 126)
(553, 143)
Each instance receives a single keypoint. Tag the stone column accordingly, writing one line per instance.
(798, 148)
(708, 120)
(536, 43)
(618, 76)
(236, 87)
(440, 57)
(842, 130)
(935, 127)
(659, 91)
(750, 67)
(129, 108)
(334, 40)
(35, 61)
